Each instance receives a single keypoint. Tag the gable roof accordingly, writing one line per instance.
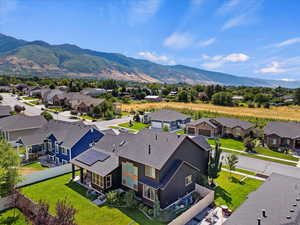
(167, 115)
(232, 123)
(21, 122)
(5, 110)
(66, 133)
(283, 129)
(277, 196)
(76, 98)
(202, 120)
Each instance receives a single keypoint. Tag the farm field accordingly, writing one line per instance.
(282, 113)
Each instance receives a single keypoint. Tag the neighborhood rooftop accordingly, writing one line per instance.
(20, 121)
(283, 129)
(278, 198)
(206, 120)
(167, 115)
(231, 123)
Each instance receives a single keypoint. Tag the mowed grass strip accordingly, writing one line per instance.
(135, 125)
(239, 145)
(232, 192)
(88, 213)
(283, 112)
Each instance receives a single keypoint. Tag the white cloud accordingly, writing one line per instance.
(197, 2)
(274, 67)
(287, 42)
(228, 6)
(179, 40)
(288, 79)
(236, 57)
(217, 61)
(142, 10)
(157, 58)
(207, 42)
(235, 21)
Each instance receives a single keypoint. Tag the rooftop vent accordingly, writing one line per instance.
(258, 221)
(288, 217)
(149, 149)
(264, 213)
(291, 210)
(294, 204)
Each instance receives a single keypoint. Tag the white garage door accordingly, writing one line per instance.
(156, 124)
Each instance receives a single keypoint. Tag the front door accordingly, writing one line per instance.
(56, 160)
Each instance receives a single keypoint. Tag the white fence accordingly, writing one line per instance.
(5, 203)
(208, 198)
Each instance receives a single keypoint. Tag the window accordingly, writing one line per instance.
(64, 161)
(288, 141)
(64, 151)
(148, 193)
(188, 180)
(56, 148)
(150, 172)
(274, 141)
(238, 131)
(130, 175)
(97, 180)
(108, 181)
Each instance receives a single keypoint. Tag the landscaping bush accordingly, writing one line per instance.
(141, 206)
(112, 197)
(150, 212)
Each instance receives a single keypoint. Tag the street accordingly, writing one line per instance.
(266, 167)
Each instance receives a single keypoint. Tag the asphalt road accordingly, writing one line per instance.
(266, 167)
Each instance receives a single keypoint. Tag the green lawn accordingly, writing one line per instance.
(231, 192)
(55, 109)
(28, 103)
(135, 125)
(30, 98)
(87, 117)
(238, 145)
(35, 102)
(35, 165)
(180, 132)
(12, 217)
(242, 170)
(88, 213)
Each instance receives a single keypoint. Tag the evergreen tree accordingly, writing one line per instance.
(215, 163)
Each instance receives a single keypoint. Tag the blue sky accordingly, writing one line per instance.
(256, 38)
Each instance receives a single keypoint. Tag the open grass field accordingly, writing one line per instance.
(88, 213)
(282, 113)
(231, 192)
(12, 217)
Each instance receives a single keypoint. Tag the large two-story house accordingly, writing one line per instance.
(61, 140)
(156, 165)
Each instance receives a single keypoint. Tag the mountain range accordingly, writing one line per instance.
(20, 57)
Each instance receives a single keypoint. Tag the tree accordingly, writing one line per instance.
(297, 96)
(183, 96)
(65, 213)
(215, 163)
(231, 160)
(42, 215)
(156, 207)
(249, 144)
(9, 164)
(97, 111)
(19, 108)
(48, 116)
(165, 128)
(222, 98)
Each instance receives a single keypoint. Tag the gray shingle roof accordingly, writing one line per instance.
(231, 123)
(283, 129)
(206, 120)
(67, 133)
(167, 115)
(277, 196)
(21, 122)
(5, 110)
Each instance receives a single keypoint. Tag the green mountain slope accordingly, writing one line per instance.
(43, 59)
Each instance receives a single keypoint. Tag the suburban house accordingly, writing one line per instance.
(220, 127)
(38, 92)
(167, 118)
(282, 135)
(48, 97)
(60, 140)
(276, 202)
(94, 92)
(155, 165)
(16, 126)
(5, 111)
(72, 100)
(5, 89)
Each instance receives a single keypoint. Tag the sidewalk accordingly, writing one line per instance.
(243, 174)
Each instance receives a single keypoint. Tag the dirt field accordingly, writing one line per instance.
(284, 112)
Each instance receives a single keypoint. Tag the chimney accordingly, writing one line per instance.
(258, 221)
(149, 150)
(264, 214)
